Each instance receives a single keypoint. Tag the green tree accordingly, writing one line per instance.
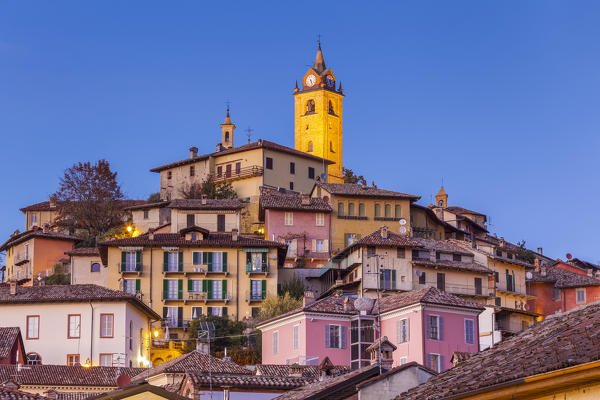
(350, 177)
(154, 198)
(293, 286)
(228, 334)
(273, 306)
(523, 253)
(212, 190)
(60, 276)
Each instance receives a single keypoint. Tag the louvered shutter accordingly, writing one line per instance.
(190, 283)
(343, 333)
(138, 260)
(314, 245)
(224, 311)
(165, 312)
(428, 327)
(180, 261)
(165, 288)
(327, 336)
(326, 246)
(224, 289)
(180, 289)
(195, 258)
(137, 285)
(209, 287)
(209, 258)
(123, 260)
(224, 261)
(441, 328)
(399, 338)
(264, 289)
(179, 317)
(165, 261)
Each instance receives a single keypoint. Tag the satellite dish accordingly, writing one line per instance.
(363, 303)
(418, 272)
(123, 381)
(569, 256)
(402, 221)
(402, 229)
(528, 275)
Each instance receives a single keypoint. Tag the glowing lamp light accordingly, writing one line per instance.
(129, 228)
(156, 333)
(87, 363)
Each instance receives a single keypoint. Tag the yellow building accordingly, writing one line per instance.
(470, 223)
(426, 224)
(191, 273)
(318, 112)
(359, 210)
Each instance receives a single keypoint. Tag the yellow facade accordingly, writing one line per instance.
(318, 115)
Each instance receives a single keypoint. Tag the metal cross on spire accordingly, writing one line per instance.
(319, 39)
(249, 133)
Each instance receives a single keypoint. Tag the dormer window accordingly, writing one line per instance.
(310, 106)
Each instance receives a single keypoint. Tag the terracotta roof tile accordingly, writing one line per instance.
(176, 239)
(10, 394)
(63, 375)
(560, 341)
(211, 204)
(250, 381)
(293, 202)
(8, 336)
(460, 211)
(38, 234)
(45, 205)
(83, 251)
(356, 190)
(429, 295)
(563, 278)
(308, 371)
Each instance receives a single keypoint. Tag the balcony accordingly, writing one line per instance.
(21, 257)
(168, 344)
(252, 269)
(130, 268)
(196, 296)
(254, 297)
(203, 297)
(458, 289)
(246, 172)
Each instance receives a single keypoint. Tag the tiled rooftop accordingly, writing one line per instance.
(63, 375)
(176, 239)
(210, 204)
(8, 336)
(282, 201)
(563, 278)
(308, 371)
(356, 190)
(560, 341)
(83, 251)
(249, 381)
(429, 295)
(45, 205)
(36, 233)
(10, 394)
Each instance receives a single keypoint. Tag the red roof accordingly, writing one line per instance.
(356, 190)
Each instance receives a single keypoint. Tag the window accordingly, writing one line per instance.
(217, 289)
(33, 359)
(478, 289)
(311, 173)
(469, 331)
(320, 219)
(33, 327)
(422, 278)
(171, 316)
(95, 267)
(387, 279)
(288, 219)
(556, 293)
(269, 163)
(33, 219)
(320, 246)
(350, 238)
(397, 211)
(296, 336)
(309, 149)
(72, 359)
(130, 335)
(194, 236)
(498, 301)
(292, 168)
(291, 185)
(196, 312)
(331, 108)
(497, 276)
(434, 362)
(228, 171)
(370, 251)
(195, 285)
(238, 168)
(130, 259)
(580, 293)
(377, 210)
(255, 312)
(219, 171)
(192, 170)
(106, 325)
(169, 174)
(275, 342)
(351, 209)
(361, 209)
(340, 209)
(402, 330)
(106, 360)
(221, 223)
(74, 326)
(256, 291)
(433, 323)
(403, 360)
(227, 136)
(172, 292)
(290, 252)
(310, 106)
(217, 311)
(400, 252)
(197, 258)
(172, 261)
(388, 211)
(146, 214)
(441, 281)
(333, 336)
(456, 257)
(130, 286)
(331, 147)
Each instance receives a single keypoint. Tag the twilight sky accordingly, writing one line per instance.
(498, 99)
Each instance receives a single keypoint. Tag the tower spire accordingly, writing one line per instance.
(227, 118)
(319, 59)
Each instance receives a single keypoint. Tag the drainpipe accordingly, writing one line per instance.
(92, 336)
(237, 284)
(150, 295)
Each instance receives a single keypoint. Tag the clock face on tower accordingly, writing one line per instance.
(311, 80)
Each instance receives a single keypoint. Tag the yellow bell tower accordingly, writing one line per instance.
(318, 115)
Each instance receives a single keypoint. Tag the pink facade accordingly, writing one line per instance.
(302, 235)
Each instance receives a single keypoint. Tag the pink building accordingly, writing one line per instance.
(302, 223)
(427, 326)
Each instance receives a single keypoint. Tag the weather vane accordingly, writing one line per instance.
(249, 132)
(319, 39)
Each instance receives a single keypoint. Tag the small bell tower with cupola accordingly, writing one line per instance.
(227, 129)
(441, 198)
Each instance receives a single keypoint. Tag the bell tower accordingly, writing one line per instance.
(227, 128)
(441, 198)
(318, 112)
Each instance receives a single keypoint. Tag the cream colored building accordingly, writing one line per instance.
(86, 267)
(195, 272)
(79, 324)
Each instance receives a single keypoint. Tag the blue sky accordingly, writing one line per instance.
(498, 99)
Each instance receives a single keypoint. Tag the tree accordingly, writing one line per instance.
(295, 288)
(212, 190)
(524, 254)
(59, 276)
(273, 306)
(228, 333)
(89, 196)
(350, 177)
(154, 198)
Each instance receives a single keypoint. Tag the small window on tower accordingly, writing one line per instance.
(227, 136)
(310, 149)
(441, 203)
(331, 108)
(310, 106)
(331, 147)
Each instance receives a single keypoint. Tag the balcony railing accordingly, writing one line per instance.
(455, 288)
(21, 257)
(257, 269)
(130, 268)
(252, 297)
(168, 344)
(195, 269)
(241, 173)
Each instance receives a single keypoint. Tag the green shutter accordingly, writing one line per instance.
(137, 285)
(123, 260)
(209, 288)
(165, 312)
(165, 288)
(224, 311)
(264, 262)
(138, 260)
(166, 261)
(180, 261)
(209, 257)
(180, 316)
(204, 258)
(190, 287)
(224, 261)
(180, 289)
(195, 258)
(514, 282)
(204, 286)
(264, 289)
(224, 288)
(345, 239)
(393, 279)
(208, 310)
(381, 280)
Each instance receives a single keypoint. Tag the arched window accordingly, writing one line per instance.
(388, 211)
(377, 210)
(310, 147)
(95, 267)
(227, 136)
(331, 147)
(441, 203)
(310, 106)
(33, 359)
(331, 108)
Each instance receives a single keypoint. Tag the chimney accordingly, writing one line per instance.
(202, 346)
(52, 202)
(502, 242)
(295, 370)
(432, 255)
(309, 297)
(13, 288)
(204, 197)
(219, 147)
(234, 234)
(543, 271)
(384, 232)
(597, 274)
(590, 272)
(51, 394)
(193, 152)
(536, 262)
(347, 305)
(540, 250)
(305, 199)
(150, 234)
(46, 228)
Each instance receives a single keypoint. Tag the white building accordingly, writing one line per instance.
(86, 267)
(79, 324)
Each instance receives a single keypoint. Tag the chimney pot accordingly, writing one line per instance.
(234, 234)
(193, 152)
(309, 297)
(150, 234)
(540, 250)
(305, 199)
(52, 202)
(384, 232)
(590, 272)
(204, 197)
(13, 288)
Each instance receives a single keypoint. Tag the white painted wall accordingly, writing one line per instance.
(81, 267)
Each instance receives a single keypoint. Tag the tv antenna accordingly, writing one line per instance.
(206, 331)
(249, 133)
